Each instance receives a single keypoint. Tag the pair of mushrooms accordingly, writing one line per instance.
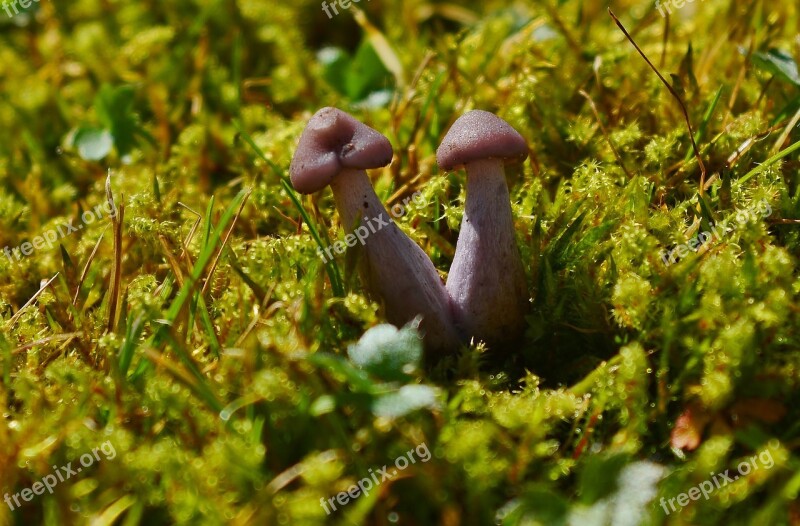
(486, 295)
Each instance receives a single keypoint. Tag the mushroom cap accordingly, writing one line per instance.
(478, 135)
(332, 141)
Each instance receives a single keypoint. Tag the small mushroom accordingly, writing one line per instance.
(487, 280)
(335, 149)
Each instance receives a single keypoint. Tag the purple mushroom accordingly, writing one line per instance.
(335, 149)
(487, 280)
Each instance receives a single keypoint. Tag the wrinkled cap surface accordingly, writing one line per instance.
(479, 135)
(331, 142)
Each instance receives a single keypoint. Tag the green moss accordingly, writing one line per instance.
(636, 379)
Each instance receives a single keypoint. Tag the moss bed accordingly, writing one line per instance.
(200, 364)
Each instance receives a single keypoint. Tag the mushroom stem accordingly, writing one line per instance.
(355, 198)
(396, 269)
(487, 282)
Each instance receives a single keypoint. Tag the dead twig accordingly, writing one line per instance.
(58, 337)
(85, 270)
(116, 268)
(224, 243)
(16, 316)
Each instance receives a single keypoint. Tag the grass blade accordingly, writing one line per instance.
(769, 162)
(331, 267)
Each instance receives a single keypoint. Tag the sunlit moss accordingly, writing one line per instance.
(241, 406)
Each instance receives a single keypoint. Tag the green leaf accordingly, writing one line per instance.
(599, 477)
(536, 505)
(366, 73)
(637, 485)
(113, 104)
(93, 143)
(388, 353)
(357, 379)
(361, 78)
(114, 108)
(778, 63)
(335, 62)
(405, 400)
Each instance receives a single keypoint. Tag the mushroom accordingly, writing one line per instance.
(335, 149)
(486, 282)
